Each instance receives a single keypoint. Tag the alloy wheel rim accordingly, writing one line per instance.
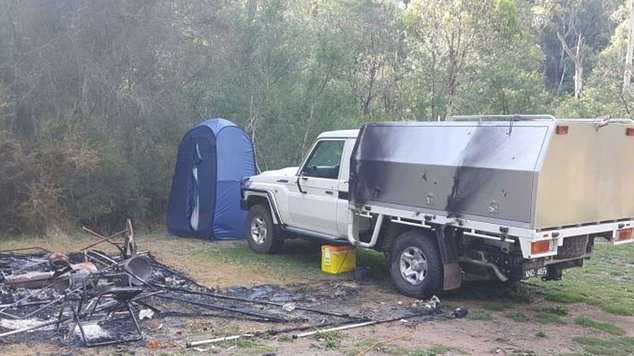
(413, 265)
(258, 230)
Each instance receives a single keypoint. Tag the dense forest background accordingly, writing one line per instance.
(96, 95)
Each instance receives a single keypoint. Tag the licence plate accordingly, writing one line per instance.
(535, 272)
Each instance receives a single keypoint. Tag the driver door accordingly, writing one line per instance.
(314, 208)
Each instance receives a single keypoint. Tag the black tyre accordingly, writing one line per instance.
(415, 265)
(260, 232)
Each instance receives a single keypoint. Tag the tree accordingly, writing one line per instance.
(577, 57)
(605, 92)
(571, 31)
(627, 75)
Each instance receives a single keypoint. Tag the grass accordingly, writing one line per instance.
(494, 306)
(300, 259)
(392, 349)
(557, 310)
(547, 318)
(594, 324)
(245, 347)
(330, 340)
(284, 338)
(623, 346)
(377, 346)
(435, 351)
(597, 284)
(517, 316)
(479, 314)
(505, 295)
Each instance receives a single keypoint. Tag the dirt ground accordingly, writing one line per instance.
(502, 320)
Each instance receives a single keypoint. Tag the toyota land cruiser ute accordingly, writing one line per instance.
(490, 197)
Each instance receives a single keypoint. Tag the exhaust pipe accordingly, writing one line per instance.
(484, 263)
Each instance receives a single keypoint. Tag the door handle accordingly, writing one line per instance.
(304, 178)
(282, 180)
(329, 192)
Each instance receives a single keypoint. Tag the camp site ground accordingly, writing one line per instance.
(588, 312)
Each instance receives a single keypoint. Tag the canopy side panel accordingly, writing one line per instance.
(482, 170)
(236, 160)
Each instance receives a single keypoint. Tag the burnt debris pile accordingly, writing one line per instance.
(90, 298)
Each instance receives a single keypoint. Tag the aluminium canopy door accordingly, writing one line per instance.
(587, 175)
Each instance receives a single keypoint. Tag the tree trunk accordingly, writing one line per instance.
(577, 57)
(627, 76)
(579, 68)
(452, 84)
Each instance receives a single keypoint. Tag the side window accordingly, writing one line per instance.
(325, 160)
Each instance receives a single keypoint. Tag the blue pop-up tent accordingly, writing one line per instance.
(212, 159)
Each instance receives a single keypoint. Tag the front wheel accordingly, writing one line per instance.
(415, 265)
(260, 231)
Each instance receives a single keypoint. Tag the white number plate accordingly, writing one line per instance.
(535, 272)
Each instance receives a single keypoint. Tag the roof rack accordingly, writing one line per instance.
(515, 117)
(603, 120)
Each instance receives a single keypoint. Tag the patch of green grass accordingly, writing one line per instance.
(246, 347)
(330, 340)
(435, 351)
(494, 306)
(626, 310)
(299, 258)
(547, 318)
(540, 334)
(374, 261)
(565, 297)
(377, 346)
(594, 324)
(520, 293)
(391, 349)
(597, 283)
(623, 346)
(517, 316)
(479, 314)
(441, 349)
(557, 310)
(284, 338)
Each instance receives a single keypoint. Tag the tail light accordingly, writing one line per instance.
(561, 130)
(624, 235)
(540, 247)
(629, 131)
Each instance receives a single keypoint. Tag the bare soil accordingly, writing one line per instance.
(489, 330)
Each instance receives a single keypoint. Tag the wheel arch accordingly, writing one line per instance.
(255, 197)
(393, 229)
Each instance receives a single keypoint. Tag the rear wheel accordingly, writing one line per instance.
(415, 265)
(260, 231)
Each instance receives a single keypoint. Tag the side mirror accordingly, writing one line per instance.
(306, 170)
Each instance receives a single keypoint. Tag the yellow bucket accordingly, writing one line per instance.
(338, 259)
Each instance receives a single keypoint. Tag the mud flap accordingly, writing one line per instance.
(452, 273)
(452, 278)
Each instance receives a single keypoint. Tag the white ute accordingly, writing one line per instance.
(517, 197)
